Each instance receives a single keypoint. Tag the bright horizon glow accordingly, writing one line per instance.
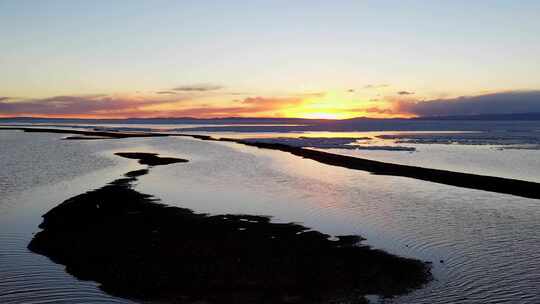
(325, 116)
(336, 59)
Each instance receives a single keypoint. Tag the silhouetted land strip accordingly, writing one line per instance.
(138, 248)
(150, 159)
(107, 134)
(466, 180)
(83, 137)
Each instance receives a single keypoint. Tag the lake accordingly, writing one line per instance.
(485, 247)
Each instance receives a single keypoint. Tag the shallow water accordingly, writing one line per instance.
(485, 159)
(477, 159)
(489, 243)
(39, 172)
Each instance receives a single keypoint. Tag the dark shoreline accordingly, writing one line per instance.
(105, 134)
(138, 248)
(465, 180)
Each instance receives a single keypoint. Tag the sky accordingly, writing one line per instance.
(310, 59)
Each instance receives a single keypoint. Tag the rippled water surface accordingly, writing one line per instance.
(488, 243)
(38, 172)
(485, 247)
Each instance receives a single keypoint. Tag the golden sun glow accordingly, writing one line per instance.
(331, 105)
(323, 116)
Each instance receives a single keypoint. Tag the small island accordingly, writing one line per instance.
(138, 248)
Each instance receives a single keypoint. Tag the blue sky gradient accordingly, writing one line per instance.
(437, 49)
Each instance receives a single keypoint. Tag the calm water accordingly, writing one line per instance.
(489, 243)
(38, 172)
(477, 159)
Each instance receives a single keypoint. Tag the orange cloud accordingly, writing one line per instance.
(271, 103)
(200, 102)
(251, 106)
(105, 106)
(74, 105)
(198, 88)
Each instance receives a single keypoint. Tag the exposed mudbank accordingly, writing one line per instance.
(520, 147)
(136, 247)
(350, 143)
(313, 142)
(82, 137)
(385, 148)
(499, 138)
(151, 159)
(465, 180)
(106, 134)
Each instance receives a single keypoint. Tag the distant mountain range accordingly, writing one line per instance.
(511, 116)
(172, 120)
(271, 121)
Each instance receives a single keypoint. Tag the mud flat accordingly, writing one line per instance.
(104, 134)
(138, 248)
(151, 159)
(83, 137)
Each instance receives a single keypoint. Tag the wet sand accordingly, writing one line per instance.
(138, 248)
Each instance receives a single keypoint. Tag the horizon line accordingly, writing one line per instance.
(279, 118)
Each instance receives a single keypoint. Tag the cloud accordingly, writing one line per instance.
(210, 112)
(108, 106)
(378, 110)
(2, 98)
(271, 101)
(166, 93)
(251, 106)
(198, 88)
(405, 93)
(376, 86)
(78, 105)
(238, 93)
(262, 104)
(494, 103)
(310, 95)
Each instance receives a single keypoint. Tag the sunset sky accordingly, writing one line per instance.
(310, 59)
